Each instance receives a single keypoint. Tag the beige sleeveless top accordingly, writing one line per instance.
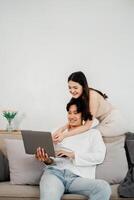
(104, 108)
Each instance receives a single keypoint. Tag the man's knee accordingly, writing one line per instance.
(46, 189)
(103, 187)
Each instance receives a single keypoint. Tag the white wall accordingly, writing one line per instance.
(43, 41)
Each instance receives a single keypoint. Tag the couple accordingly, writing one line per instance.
(73, 171)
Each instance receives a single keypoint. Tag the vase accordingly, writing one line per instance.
(9, 126)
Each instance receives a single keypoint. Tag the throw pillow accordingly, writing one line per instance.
(4, 168)
(24, 168)
(115, 166)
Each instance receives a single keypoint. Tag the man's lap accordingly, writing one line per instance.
(72, 182)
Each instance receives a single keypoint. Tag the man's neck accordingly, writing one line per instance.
(73, 127)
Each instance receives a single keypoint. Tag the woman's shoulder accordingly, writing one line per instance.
(92, 92)
(95, 95)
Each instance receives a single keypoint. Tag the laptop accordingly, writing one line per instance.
(34, 139)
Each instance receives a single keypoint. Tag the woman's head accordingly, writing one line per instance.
(77, 84)
(78, 88)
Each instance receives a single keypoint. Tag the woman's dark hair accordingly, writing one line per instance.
(79, 105)
(80, 78)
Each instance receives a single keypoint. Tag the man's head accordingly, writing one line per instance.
(75, 110)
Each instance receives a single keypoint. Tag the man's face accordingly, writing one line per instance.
(74, 118)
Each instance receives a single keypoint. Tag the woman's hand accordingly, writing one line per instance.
(60, 134)
(63, 153)
(42, 156)
(58, 137)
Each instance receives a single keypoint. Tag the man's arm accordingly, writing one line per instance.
(95, 154)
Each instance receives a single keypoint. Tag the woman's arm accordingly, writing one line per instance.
(80, 129)
(61, 129)
(61, 135)
(58, 132)
(94, 103)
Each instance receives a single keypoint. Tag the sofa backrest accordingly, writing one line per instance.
(17, 135)
(114, 167)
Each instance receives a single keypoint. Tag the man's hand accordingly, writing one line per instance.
(63, 153)
(42, 156)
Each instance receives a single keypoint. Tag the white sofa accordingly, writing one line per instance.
(9, 191)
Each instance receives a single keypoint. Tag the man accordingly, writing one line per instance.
(73, 170)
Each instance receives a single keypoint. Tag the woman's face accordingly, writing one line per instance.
(75, 89)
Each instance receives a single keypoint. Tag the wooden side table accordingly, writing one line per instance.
(8, 135)
(17, 132)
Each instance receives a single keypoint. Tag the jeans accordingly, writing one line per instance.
(54, 183)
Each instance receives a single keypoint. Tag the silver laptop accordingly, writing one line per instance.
(34, 139)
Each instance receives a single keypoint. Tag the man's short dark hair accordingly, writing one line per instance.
(79, 104)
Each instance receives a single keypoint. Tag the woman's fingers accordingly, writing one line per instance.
(55, 138)
(58, 138)
(55, 135)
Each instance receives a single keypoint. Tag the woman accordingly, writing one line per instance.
(111, 122)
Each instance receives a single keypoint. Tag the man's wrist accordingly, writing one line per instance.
(49, 161)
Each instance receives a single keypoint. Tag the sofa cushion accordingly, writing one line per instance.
(4, 168)
(115, 166)
(9, 190)
(24, 168)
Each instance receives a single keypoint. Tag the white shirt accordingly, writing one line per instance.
(89, 150)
